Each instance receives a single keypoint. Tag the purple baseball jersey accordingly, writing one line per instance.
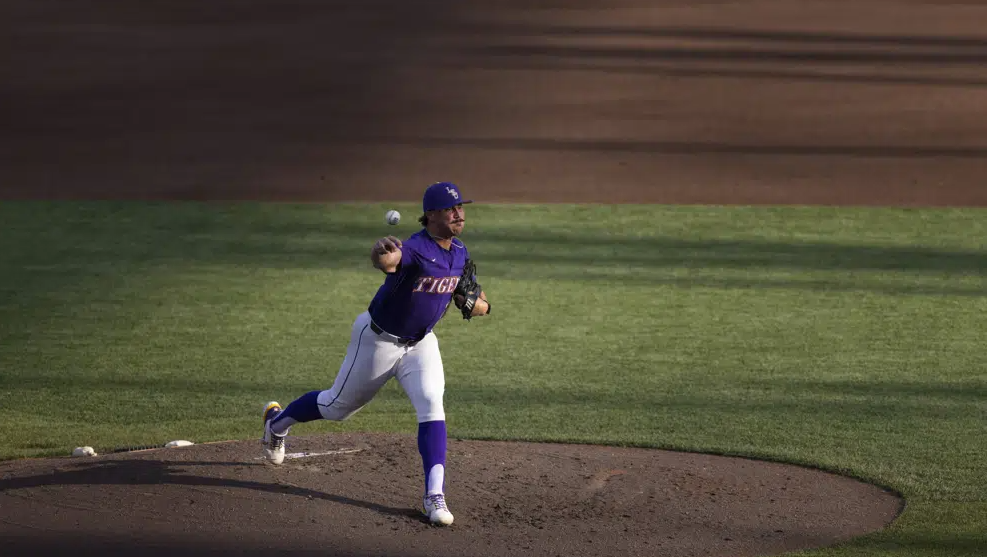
(414, 297)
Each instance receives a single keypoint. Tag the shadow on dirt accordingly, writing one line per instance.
(97, 545)
(737, 52)
(677, 147)
(158, 472)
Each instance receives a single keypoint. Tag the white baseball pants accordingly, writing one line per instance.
(372, 360)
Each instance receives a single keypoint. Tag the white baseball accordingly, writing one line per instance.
(83, 451)
(392, 217)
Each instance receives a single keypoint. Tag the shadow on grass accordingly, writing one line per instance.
(270, 237)
(202, 382)
(775, 401)
(969, 391)
(953, 545)
(101, 244)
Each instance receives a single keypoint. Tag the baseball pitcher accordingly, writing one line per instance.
(424, 274)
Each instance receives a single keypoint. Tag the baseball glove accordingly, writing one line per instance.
(468, 288)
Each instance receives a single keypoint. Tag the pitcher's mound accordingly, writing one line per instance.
(358, 494)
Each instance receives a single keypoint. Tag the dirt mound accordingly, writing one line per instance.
(358, 494)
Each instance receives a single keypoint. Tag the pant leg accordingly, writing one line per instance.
(422, 377)
(369, 363)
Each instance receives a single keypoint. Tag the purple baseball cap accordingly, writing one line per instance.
(442, 195)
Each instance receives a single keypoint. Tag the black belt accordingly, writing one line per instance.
(397, 339)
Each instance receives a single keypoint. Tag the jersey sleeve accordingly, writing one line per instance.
(409, 257)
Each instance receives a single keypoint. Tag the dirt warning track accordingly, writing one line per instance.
(623, 101)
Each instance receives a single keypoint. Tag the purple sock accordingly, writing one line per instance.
(432, 446)
(303, 409)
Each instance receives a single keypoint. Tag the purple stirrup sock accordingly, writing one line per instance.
(432, 446)
(303, 409)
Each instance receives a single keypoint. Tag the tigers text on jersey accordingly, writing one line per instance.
(414, 297)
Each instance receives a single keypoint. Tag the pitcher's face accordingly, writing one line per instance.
(449, 222)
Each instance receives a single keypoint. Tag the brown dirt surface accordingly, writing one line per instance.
(508, 499)
(666, 101)
(746, 102)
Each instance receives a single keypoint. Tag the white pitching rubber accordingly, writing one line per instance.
(178, 443)
(83, 451)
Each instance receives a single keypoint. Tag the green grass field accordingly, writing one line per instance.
(846, 338)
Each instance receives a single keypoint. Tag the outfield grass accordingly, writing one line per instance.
(850, 339)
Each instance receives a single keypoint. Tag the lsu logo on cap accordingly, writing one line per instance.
(442, 195)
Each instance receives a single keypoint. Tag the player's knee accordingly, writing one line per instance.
(338, 412)
(430, 409)
(336, 408)
(432, 415)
